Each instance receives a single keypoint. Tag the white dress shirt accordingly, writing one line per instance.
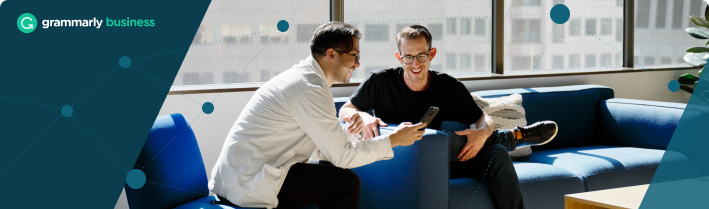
(282, 124)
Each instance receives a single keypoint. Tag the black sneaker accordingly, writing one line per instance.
(537, 134)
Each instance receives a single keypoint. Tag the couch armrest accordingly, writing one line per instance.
(638, 123)
(417, 176)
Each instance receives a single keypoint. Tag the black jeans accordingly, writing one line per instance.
(491, 165)
(322, 184)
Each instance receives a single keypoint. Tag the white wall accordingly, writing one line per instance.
(211, 130)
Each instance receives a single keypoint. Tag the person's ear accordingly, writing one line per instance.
(330, 55)
(398, 56)
(433, 54)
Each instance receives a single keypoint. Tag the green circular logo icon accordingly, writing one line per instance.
(27, 23)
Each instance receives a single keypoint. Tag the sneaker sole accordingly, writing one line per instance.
(552, 137)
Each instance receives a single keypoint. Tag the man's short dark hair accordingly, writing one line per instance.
(413, 32)
(336, 35)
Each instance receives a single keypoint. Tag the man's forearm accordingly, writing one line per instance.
(345, 111)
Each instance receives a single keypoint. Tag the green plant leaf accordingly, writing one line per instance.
(696, 59)
(698, 49)
(706, 11)
(701, 22)
(697, 33)
(707, 43)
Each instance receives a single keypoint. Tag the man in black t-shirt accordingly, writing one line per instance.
(404, 94)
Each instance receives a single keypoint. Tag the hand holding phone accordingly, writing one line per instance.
(428, 117)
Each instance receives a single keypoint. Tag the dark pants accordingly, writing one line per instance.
(491, 165)
(321, 184)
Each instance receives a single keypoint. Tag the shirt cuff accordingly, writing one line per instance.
(384, 147)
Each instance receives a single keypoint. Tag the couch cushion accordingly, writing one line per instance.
(539, 183)
(605, 167)
(638, 123)
(571, 107)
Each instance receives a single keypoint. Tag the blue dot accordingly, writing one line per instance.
(560, 13)
(67, 111)
(135, 179)
(124, 62)
(208, 108)
(282, 26)
(673, 85)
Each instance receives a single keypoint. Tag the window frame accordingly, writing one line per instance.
(497, 52)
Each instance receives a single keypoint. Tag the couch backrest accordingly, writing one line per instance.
(172, 164)
(573, 108)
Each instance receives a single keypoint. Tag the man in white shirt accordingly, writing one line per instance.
(287, 119)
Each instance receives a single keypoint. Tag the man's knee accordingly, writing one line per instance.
(352, 179)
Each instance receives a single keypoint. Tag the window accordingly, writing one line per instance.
(574, 61)
(450, 26)
(456, 54)
(558, 2)
(677, 10)
(465, 61)
(663, 36)
(450, 61)
(642, 13)
(557, 62)
(661, 15)
(605, 60)
(527, 31)
(606, 26)
(436, 31)
(591, 60)
(480, 27)
(376, 32)
(558, 34)
(240, 32)
(525, 2)
(574, 28)
(591, 27)
(465, 26)
(619, 30)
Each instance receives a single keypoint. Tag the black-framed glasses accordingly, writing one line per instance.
(356, 56)
(410, 59)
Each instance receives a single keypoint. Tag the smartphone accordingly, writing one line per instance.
(428, 117)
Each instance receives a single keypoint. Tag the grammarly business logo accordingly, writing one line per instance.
(27, 23)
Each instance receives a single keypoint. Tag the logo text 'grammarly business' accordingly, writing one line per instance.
(28, 23)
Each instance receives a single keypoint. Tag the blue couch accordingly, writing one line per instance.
(602, 143)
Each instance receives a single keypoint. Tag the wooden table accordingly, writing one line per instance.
(618, 198)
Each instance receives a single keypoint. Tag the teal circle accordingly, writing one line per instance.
(135, 179)
(67, 111)
(283, 26)
(673, 85)
(560, 13)
(27, 23)
(124, 62)
(208, 108)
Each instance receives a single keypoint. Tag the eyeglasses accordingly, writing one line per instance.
(356, 56)
(410, 59)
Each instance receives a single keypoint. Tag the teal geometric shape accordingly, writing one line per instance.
(283, 26)
(135, 179)
(685, 185)
(673, 85)
(560, 14)
(124, 62)
(67, 111)
(208, 108)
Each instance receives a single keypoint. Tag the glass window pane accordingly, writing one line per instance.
(587, 40)
(460, 31)
(660, 38)
(236, 33)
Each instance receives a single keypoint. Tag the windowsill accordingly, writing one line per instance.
(253, 86)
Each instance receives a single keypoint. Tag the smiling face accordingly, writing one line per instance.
(347, 63)
(416, 73)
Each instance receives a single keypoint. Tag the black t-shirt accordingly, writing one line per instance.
(385, 92)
